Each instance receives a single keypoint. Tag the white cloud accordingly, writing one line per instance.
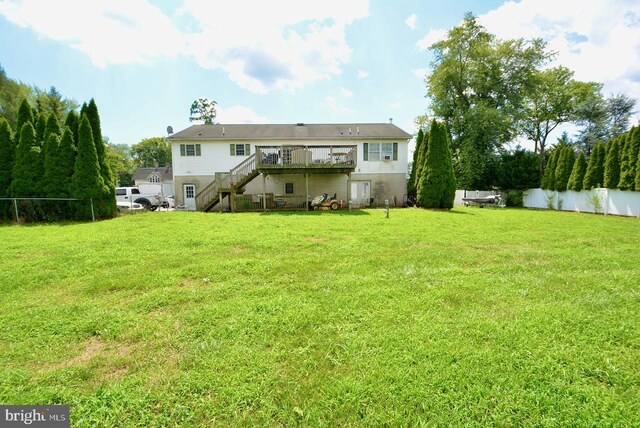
(433, 36)
(333, 104)
(272, 45)
(411, 21)
(420, 73)
(113, 32)
(362, 74)
(239, 114)
(262, 46)
(346, 93)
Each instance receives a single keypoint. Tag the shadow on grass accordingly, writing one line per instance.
(316, 213)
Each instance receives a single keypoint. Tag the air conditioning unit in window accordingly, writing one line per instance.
(387, 157)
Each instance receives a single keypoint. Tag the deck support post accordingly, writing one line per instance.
(306, 195)
(349, 190)
(264, 191)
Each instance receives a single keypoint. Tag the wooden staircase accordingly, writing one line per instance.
(227, 184)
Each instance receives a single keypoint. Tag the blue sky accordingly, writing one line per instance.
(285, 61)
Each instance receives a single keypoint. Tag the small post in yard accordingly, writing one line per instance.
(15, 203)
(93, 216)
(386, 207)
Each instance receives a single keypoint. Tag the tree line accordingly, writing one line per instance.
(489, 92)
(613, 165)
(42, 158)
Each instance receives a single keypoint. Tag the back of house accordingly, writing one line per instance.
(256, 166)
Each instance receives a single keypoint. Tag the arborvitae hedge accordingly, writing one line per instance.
(107, 202)
(566, 159)
(438, 186)
(7, 153)
(25, 114)
(53, 127)
(637, 181)
(578, 173)
(27, 169)
(41, 126)
(411, 183)
(612, 165)
(73, 122)
(422, 158)
(594, 176)
(628, 165)
(549, 176)
(86, 181)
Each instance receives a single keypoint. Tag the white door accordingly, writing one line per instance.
(189, 192)
(360, 193)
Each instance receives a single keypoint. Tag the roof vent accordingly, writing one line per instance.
(300, 124)
(390, 120)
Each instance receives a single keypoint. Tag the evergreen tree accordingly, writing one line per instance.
(7, 154)
(612, 165)
(594, 177)
(28, 168)
(578, 172)
(87, 181)
(107, 202)
(638, 173)
(422, 158)
(411, 183)
(41, 125)
(549, 176)
(566, 159)
(53, 127)
(25, 114)
(628, 166)
(73, 122)
(438, 187)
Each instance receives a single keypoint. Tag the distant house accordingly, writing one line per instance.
(254, 167)
(155, 179)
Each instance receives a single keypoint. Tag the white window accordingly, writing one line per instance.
(380, 151)
(190, 150)
(154, 178)
(240, 150)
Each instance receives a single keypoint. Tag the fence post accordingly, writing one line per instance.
(93, 216)
(15, 203)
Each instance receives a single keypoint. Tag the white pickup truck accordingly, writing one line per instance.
(131, 195)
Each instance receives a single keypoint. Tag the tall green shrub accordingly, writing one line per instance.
(25, 114)
(87, 181)
(41, 126)
(637, 181)
(577, 173)
(73, 122)
(566, 159)
(594, 176)
(107, 201)
(549, 177)
(438, 186)
(628, 166)
(411, 183)
(27, 169)
(422, 158)
(53, 127)
(7, 155)
(612, 165)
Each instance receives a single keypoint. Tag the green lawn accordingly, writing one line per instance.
(469, 317)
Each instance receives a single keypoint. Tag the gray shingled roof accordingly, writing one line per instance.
(165, 173)
(311, 131)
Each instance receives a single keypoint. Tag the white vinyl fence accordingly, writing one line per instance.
(601, 201)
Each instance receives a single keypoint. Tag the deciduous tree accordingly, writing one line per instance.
(203, 110)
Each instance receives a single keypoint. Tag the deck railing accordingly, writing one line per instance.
(305, 157)
(248, 202)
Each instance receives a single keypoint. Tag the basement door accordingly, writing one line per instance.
(360, 193)
(189, 192)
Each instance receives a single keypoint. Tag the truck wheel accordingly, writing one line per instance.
(153, 208)
(145, 203)
(334, 205)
